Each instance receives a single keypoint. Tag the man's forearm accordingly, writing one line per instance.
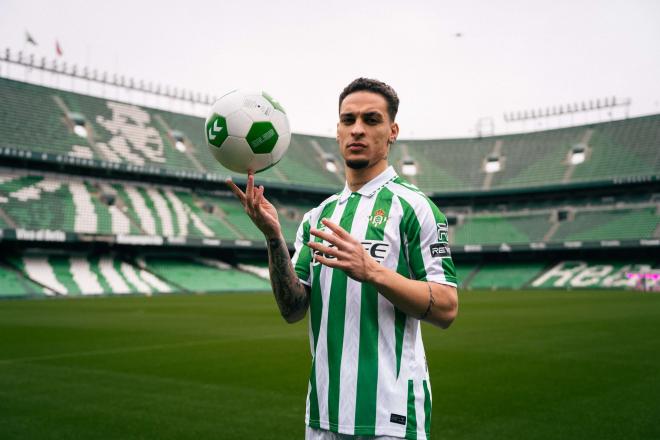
(291, 295)
(438, 306)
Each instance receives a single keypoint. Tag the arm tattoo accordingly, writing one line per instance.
(291, 295)
(431, 303)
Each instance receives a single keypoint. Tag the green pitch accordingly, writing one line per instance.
(527, 365)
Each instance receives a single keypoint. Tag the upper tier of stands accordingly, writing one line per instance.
(41, 119)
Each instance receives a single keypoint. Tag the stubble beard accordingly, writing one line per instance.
(357, 164)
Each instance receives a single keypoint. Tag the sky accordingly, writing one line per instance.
(452, 63)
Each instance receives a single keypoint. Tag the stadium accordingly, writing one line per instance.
(136, 294)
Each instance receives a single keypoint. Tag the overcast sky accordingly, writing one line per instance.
(452, 62)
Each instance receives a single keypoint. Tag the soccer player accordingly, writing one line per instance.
(370, 263)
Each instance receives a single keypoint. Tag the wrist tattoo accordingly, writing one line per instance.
(431, 302)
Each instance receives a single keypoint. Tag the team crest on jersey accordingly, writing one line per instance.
(378, 218)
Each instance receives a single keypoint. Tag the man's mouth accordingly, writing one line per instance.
(356, 146)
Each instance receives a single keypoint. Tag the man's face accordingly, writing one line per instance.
(364, 130)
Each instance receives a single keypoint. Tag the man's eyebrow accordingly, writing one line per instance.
(370, 114)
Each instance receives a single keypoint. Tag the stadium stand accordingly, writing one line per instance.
(205, 275)
(619, 224)
(562, 274)
(496, 229)
(46, 203)
(13, 284)
(233, 212)
(144, 137)
(87, 275)
(465, 271)
(56, 274)
(622, 148)
(505, 275)
(624, 217)
(607, 274)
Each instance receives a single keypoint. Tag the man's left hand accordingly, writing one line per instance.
(345, 253)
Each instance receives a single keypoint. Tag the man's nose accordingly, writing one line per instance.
(358, 128)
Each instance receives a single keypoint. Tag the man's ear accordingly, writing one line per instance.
(394, 132)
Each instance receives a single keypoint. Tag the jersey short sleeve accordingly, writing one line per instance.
(426, 232)
(302, 256)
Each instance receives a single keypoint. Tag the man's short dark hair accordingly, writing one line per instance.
(374, 86)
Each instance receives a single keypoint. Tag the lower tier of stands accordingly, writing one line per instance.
(563, 274)
(57, 274)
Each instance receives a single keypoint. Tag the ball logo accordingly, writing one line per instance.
(252, 104)
(256, 143)
(262, 137)
(216, 130)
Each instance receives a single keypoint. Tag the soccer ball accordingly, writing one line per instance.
(247, 131)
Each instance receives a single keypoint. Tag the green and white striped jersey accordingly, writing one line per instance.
(369, 373)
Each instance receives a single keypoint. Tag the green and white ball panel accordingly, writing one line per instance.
(262, 161)
(274, 102)
(257, 107)
(281, 122)
(239, 124)
(235, 154)
(281, 147)
(228, 103)
(216, 130)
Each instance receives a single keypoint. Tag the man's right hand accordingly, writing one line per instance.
(291, 295)
(262, 213)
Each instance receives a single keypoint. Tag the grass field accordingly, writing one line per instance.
(515, 365)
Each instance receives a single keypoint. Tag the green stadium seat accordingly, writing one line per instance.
(14, 284)
(205, 275)
(505, 275)
(620, 224)
(82, 274)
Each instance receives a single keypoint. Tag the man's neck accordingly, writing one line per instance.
(356, 179)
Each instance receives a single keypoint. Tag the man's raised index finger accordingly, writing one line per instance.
(249, 187)
(235, 189)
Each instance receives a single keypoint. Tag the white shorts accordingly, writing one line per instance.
(322, 434)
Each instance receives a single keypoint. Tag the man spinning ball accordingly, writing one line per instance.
(370, 262)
